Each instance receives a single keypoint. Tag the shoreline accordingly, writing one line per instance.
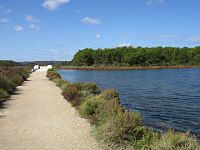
(124, 68)
(112, 124)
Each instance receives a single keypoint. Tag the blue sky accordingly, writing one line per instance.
(57, 29)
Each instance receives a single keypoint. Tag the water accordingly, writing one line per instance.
(167, 98)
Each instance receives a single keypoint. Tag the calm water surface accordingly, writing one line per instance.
(167, 98)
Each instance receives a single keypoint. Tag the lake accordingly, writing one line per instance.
(167, 98)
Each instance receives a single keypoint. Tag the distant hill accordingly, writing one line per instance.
(44, 63)
(9, 63)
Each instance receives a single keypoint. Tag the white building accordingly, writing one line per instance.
(49, 66)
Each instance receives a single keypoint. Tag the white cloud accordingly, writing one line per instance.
(34, 27)
(92, 21)
(8, 10)
(149, 2)
(4, 20)
(98, 35)
(194, 38)
(124, 45)
(31, 19)
(54, 51)
(18, 28)
(166, 36)
(54, 4)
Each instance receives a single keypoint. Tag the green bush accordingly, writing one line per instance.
(6, 84)
(3, 95)
(89, 108)
(175, 141)
(110, 93)
(25, 73)
(65, 85)
(17, 79)
(73, 95)
(58, 81)
(52, 74)
(114, 124)
(10, 78)
(143, 138)
(103, 108)
(91, 87)
(119, 129)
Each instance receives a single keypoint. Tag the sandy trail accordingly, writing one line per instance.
(38, 118)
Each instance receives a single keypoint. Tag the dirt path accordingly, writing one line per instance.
(38, 118)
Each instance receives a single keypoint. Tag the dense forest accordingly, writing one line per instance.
(130, 56)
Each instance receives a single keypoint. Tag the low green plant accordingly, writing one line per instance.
(119, 129)
(175, 141)
(73, 95)
(59, 82)
(89, 108)
(91, 87)
(110, 94)
(3, 95)
(52, 74)
(10, 78)
(6, 84)
(65, 85)
(143, 137)
(17, 79)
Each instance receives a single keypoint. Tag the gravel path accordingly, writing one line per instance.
(38, 118)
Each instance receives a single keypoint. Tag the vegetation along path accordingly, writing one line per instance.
(37, 118)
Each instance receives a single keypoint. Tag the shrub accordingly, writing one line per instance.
(143, 138)
(10, 78)
(17, 79)
(52, 74)
(119, 129)
(175, 141)
(6, 84)
(58, 81)
(91, 87)
(3, 95)
(114, 124)
(89, 108)
(24, 72)
(65, 85)
(110, 93)
(73, 95)
(103, 108)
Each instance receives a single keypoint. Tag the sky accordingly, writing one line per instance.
(56, 29)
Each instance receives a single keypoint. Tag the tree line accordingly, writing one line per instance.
(139, 56)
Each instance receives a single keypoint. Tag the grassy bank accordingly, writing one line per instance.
(10, 78)
(123, 68)
(115, 126)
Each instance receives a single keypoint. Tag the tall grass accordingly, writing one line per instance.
(113, 124)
